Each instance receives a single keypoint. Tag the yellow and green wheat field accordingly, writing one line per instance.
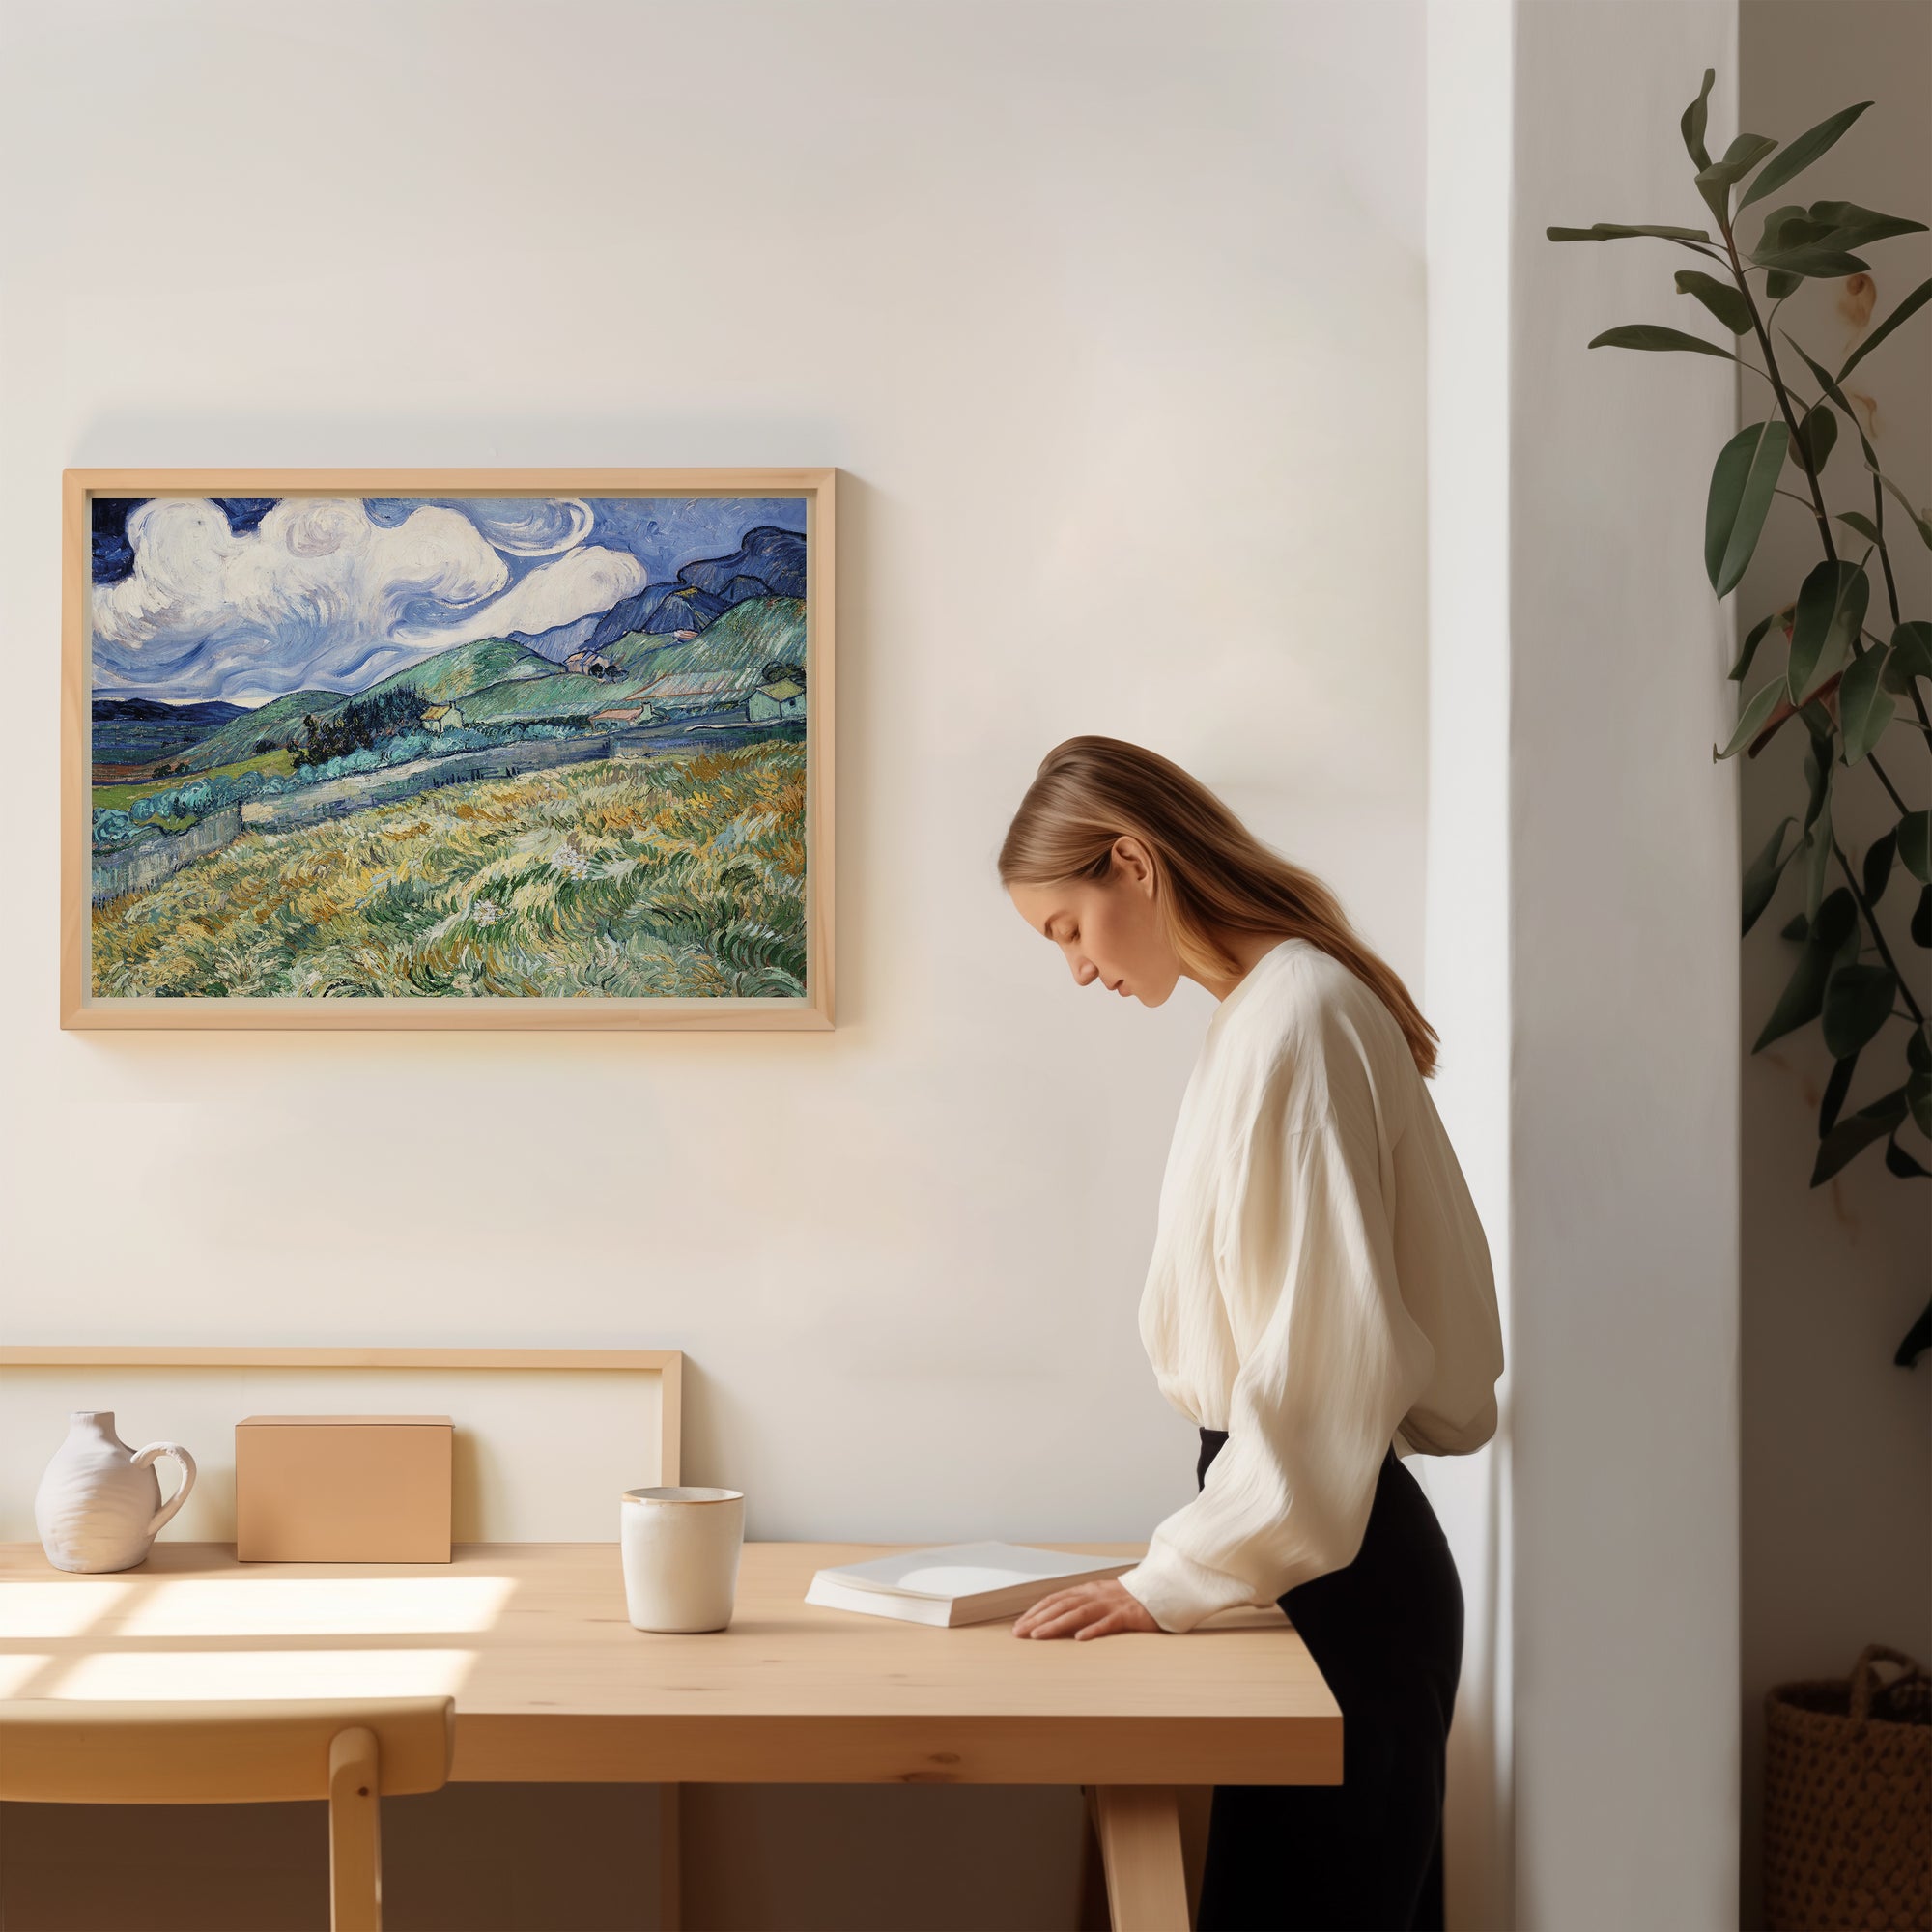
(678, 876)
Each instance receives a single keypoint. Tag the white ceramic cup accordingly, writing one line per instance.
(681, 1549)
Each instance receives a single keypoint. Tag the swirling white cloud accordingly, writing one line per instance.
(533, 527)
(322, 594)
(574, 584)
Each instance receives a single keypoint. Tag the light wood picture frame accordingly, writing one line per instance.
(431, 749)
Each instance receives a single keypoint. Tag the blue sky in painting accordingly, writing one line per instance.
(244, 599)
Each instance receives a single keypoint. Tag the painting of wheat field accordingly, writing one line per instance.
(449, 757)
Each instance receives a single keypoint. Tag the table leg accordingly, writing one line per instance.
(1139, 1828)
(670, 1858)
(1091, 1916)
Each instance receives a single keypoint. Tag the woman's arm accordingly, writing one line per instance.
(1331, 1361)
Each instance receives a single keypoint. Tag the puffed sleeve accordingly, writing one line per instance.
(1330, 1362)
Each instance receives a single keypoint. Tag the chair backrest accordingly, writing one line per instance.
(74, 1751)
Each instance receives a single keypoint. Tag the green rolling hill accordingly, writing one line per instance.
(494, 681)
(515, 701)
(279, 720)
(449, 676)
(761, 630)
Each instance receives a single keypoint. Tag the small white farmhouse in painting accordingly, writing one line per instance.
(784, 699)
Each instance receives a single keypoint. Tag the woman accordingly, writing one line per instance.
(1319, 1289)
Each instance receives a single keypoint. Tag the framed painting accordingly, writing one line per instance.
(474, 747)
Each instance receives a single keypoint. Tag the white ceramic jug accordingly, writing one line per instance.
(100, 1504)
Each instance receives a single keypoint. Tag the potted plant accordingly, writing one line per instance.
(1848, 1779)
(1842, 660)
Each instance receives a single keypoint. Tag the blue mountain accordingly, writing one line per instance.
(152, 711)
(769, 562)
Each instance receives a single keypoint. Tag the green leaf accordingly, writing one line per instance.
(1752, 721)
(1918, 1098)
(1864, 710)
(1818, 860)
(1803, 995)
(1915, 845)
(1721, 298)
(1814, 260)
(1617, 231)
(1830, 609)
(1771, 235)
(1799, 155)
(1909, 656)
(1743, 482)
(1817, 780)
(1857, 1133)
(1921, 919)
(1796, 926)
(1763, 873)
(1919, 1050)
(1756, 637)
(1909, 307)
(1864, 526)
(1717, 179)
(1650, 335)
(1819, 434)
(1828, 382)
(1851, 226)
(1835, 1089)
(1877, 867)
(1858, 1003)
(1697, 117)
(1916, 1341)
(1921, 525)
(1898, 1161)
(1779, 284)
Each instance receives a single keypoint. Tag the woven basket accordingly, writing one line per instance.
(1847, 1802)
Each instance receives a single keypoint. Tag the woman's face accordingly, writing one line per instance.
(1111, 932)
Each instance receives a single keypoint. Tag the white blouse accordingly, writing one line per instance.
(1320, 1284)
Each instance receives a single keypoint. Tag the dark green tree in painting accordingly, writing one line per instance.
(1842, 658)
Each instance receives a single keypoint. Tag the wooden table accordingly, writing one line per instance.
(552, 1683)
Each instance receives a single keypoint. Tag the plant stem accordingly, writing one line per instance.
(1817, 503)
(1884, 553)
(1877, 772)
(1878, 938)
(1891, 594)
(1777, 380)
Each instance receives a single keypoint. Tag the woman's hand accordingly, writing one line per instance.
(1087, 1609)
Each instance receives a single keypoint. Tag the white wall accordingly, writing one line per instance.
(1114, 322)
(1622, 892)
(1837, 1477)
(1468, 989)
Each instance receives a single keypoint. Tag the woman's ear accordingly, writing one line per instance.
(1131, 857)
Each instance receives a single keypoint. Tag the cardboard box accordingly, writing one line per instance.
(342, 1488)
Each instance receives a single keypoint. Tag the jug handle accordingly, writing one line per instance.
(143, 1456)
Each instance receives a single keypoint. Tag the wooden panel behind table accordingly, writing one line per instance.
(545, 1439)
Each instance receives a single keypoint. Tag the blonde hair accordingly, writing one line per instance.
(1212, 875)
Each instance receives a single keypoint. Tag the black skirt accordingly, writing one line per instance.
(1387, 1635)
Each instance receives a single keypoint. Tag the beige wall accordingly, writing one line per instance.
(1471, 132)
(1116, 333)
(1623, 865)
(1837, 1468)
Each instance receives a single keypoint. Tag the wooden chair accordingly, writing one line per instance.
(351, 1753)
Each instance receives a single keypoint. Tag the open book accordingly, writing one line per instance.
(956, 1582)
